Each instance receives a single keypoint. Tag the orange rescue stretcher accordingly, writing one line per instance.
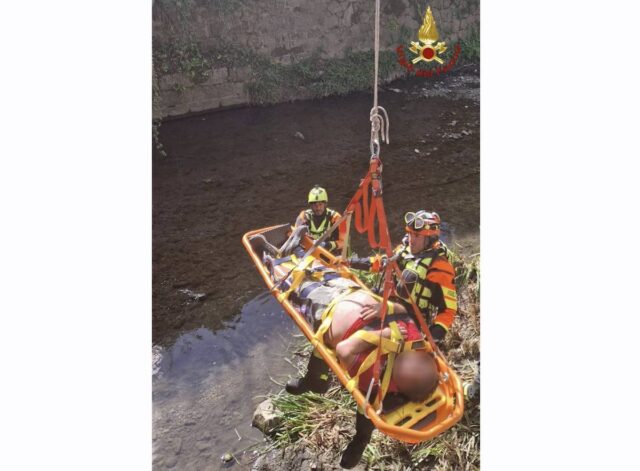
(410, 422)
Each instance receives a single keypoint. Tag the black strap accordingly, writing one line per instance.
(330, 276)
(306, 291)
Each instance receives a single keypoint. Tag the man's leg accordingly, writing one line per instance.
(316, 379)
(353, 452)
(259, 243)
(293, 241)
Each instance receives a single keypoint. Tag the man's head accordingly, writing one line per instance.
(318, 200)
(423, 229)
(415, 373)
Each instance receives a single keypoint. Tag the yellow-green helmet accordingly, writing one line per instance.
(318, 194)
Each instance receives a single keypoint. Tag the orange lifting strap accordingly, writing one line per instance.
(365, 214)
(412, 422)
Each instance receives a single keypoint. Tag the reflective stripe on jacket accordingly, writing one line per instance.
(317, 228)
(429, 278)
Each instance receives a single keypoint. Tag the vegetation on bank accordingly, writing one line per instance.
(471, 47)
(324, 423)
(270, 82)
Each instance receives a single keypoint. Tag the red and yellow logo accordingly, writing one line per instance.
(427, 49)
(428, 46)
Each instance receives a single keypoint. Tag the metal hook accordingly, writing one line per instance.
(379, 128)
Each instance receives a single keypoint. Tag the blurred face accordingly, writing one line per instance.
(318, 208)
(417, 242)
(413, 369)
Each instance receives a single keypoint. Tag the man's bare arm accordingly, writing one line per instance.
(371, 311)
(348, 349)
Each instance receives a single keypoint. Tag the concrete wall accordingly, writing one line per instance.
(281, 32)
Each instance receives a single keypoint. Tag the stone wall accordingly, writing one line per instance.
(234, 44)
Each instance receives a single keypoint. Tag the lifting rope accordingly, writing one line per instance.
(379, 132)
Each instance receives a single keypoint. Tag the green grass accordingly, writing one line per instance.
(468, 272)
(271, 82)
(181, 57)
(318, 420)
(471, 47)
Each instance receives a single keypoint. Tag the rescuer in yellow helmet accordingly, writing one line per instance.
(319, 218)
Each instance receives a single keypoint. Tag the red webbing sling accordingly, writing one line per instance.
(365, 215)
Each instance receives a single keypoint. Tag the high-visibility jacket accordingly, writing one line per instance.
(430, 280)
(429, 277)
(320, 225)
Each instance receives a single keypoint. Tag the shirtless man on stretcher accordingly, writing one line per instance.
(414, 373)
(414, 376)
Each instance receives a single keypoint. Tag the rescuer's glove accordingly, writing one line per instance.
(359, 263)
(375, 263)
(438, 332)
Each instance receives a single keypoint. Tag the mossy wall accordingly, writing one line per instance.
(218, 53)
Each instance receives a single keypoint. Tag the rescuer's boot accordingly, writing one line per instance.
(353, 452)
(316, 379)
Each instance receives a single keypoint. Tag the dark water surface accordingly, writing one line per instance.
(207, 385)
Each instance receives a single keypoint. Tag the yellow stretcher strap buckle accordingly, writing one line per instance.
(415, 345)
(296, 277)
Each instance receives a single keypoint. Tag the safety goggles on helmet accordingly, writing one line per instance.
(422, 222)
(417, 220)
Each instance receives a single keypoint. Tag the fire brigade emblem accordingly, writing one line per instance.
(428, 47)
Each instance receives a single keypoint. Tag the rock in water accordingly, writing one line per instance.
(265, 417)
(197, 297)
